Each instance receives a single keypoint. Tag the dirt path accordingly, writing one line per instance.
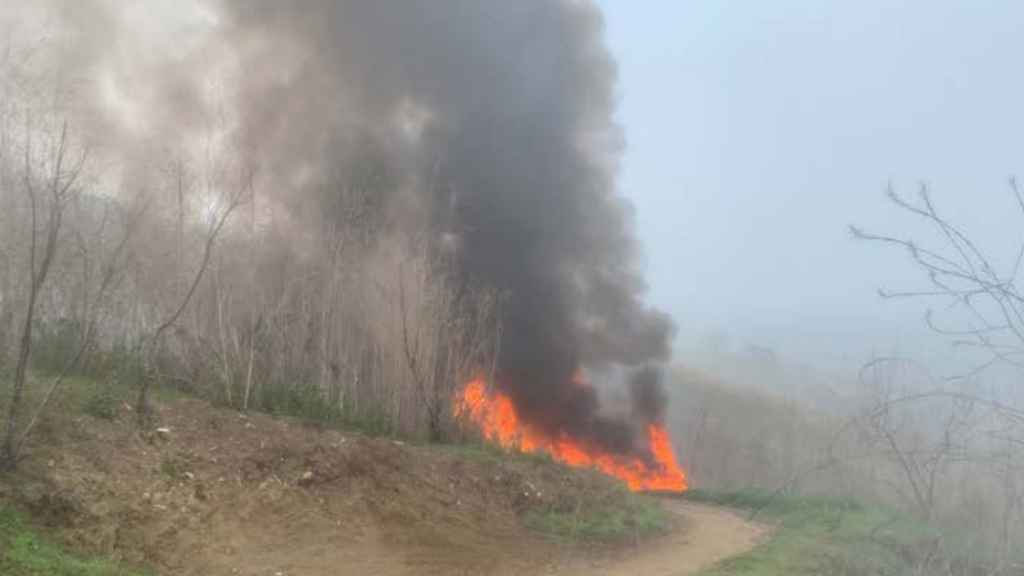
(706, 535)
(312, 545)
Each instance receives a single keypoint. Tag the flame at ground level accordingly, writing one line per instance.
(499, 422)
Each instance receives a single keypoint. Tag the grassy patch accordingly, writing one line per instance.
(100, 398)
(578, 505)
(307, 403)
(174, 468)
(488, 452)
(80, 389)
(23, 552)
(476, 452)
(821, 536)
(103, 404)
(621, 517)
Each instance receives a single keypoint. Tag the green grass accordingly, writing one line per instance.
(98, 398)
(821, 536)
(81, 390)
(103, 404)
(24, 552)
(475, 451)
(623, 516)
(492, 453)
(83, 394)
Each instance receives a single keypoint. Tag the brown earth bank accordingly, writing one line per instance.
(211, 492)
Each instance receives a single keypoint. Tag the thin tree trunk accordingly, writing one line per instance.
(20, 373)
(106, 283)
(58, 192)
(142, 400)
(222, 332)
(248, 371)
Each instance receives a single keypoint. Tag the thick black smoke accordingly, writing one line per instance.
(490, 120)
(511, 108)
(647, 395)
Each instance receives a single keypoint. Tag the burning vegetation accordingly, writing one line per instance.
(652, 468)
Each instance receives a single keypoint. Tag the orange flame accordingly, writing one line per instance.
(499, 422)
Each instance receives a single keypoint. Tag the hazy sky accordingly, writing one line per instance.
(758, 131)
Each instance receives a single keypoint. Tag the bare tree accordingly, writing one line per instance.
(49, 182)
(110, 274)
(151, 344)
(959, 272)
(921, 457)
(448, 336)
(991, 320)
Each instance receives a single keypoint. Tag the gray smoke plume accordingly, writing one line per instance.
(494, 118)
(516, 102)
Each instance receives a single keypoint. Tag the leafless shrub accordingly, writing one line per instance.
(961, 274)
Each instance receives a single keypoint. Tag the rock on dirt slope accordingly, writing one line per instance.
(214, 492)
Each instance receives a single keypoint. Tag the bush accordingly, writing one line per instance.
(55, 343)
(103, 403)
(23, 552)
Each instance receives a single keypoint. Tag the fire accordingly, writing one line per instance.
(499, 422)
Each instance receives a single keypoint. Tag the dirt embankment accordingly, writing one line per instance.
(214, 492)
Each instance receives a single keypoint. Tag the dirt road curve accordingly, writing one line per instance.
(707, 535)
(304, 544)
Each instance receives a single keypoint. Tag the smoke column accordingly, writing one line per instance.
(493, 117)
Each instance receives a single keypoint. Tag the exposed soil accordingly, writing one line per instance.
(214, 492)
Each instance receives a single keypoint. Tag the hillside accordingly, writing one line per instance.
(213, 491)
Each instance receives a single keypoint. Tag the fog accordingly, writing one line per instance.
(758, 132)
(770, 247)
(754, 136)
